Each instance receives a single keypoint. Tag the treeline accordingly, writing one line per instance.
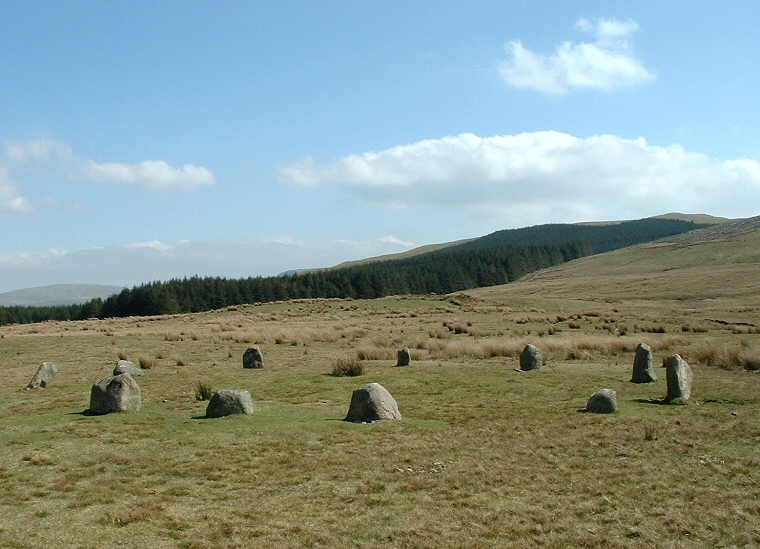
(440, 272)
(430, 273)
(498, 258)
(602, 237)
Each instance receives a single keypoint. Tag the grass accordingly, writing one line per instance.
(485, 456)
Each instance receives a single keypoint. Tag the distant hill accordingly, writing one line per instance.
(721, 262)
(492, 260)
(57, 294)
(700, 219)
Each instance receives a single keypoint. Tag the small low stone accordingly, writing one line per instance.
(604, 401)
(127, 367)
(44, 376)
(228, 402)
(115, 394)
(372, 402)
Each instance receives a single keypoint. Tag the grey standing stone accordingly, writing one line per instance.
(252, 358)
(115, 394)
(372, 402)
(531, 358)
(44, 376)
(642, 365)
(679, 378)
(604, 401)
(127, 367)
(228, 402)
(404, 357)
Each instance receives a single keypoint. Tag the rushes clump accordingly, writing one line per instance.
(203, 390)
(348, 366)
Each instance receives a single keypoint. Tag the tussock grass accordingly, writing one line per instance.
(203, 390)
(484, 457)
(347, 366)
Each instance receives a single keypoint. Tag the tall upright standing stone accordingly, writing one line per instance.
(679, 377)
(531, 358)
(642, 365)
(252, 358)
(403, 357)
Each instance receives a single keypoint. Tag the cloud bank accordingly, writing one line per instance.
(542, 177)
(607, 63)
(51, 156)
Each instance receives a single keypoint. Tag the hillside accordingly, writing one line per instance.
(57, 294)
(713, 267)
(495, 259)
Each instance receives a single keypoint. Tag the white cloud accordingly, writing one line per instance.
(11, 199)
(542, 177)
(606, 64)
(51, 155)
(393, 240)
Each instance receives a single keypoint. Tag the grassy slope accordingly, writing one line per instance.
(57, 294)
(485, 456)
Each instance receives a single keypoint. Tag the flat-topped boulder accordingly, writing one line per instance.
(372, 402)
(228, 402)
(127, 367)
(115, 394)
(44, 376)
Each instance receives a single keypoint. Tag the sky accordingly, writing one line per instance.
(144, 141)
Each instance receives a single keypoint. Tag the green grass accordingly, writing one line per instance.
(485, 456)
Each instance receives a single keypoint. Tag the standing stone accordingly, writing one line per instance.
(372, 402)
(127, 367)
(115, 394)
(531, 358)
(679, 377)
(252, 358)
(229, 401)
(44, 376)
(604, 401)
(404, 357)
(642, 365)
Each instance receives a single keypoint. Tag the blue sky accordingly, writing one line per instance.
(151, 140)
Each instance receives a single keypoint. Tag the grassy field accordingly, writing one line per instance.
(485, 456)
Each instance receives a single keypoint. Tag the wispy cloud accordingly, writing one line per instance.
(51, 156)
(11, 199)
(607, 63)
(542, 177)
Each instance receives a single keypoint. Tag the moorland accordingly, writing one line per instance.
(485, 455)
